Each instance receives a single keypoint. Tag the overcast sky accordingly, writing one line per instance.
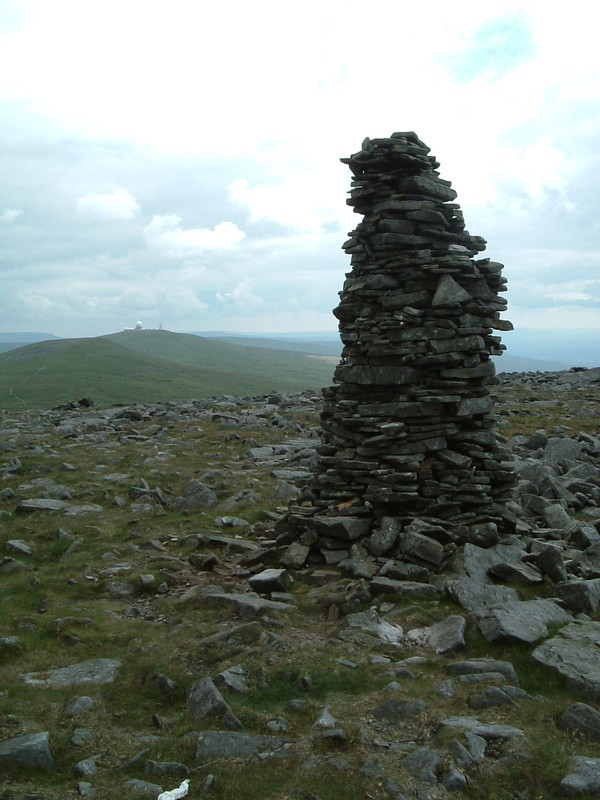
(177, 162)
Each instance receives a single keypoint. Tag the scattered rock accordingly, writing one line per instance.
(204, 701)
(220, 744)
(582, 719)
(31, 751)
(97, 671)
(573, 653)
(585, 778)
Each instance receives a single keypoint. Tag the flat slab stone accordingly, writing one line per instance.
(575, 654)
(585, 778)
(225, 744)
(487, 731)
(40, 504)
(249, 603)
(370, 622)
(346, 528)
(522, 621)
(477, 561)
(484, 666)
(477, 597)
(97, 671)
(383, 585)
(270, 580)
(442, 637)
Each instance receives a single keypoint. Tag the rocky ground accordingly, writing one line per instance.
(159, 624)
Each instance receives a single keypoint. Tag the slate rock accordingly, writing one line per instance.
(477, 597)
(573, 653)
(583, 719)
(31, 751)
(8, 565)
(522, 621)
(584, 779)
(248, 605)
(548, 559)
(205, 701)
(477, 561)
(483, 535)
(81, 736)
(40, 504)
(453, 779)
(345, 528)
(78, 705)
(139, 788)
(384, 538)
(423, 764)
(587, 564)
(271, 580)
(197, 496)
(383, 585)
(278, 725)
(400, 710)
(442, 637)
(460, 754)
(295, 556)
(96, 671)
(478, 666)
(580, 595)
(517, 573)
(369, 769)
(86, 768)
(222, 744)
(489, 697)
(175, 768)
(562, 450)
(556, 517)
(19, 547)
(233, 678)
(445, 689)
(420, 548)
(477, 745)
(325, 719)
(487, 731)
(370, 622)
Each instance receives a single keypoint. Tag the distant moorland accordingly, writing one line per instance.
(149, 366)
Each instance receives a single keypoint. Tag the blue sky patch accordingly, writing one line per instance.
(494, 49)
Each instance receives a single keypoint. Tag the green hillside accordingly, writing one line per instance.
(148, 366)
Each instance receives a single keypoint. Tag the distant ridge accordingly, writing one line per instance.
(9, 340)
(148, 366)
(25, 336)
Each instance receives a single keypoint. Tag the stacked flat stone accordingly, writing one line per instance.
(408, 432)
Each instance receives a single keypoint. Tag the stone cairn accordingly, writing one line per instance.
(410, 462)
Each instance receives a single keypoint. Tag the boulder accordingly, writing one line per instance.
(31, 751)
(204, 701)
(573, 653)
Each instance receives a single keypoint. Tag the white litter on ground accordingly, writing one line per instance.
(175, 794)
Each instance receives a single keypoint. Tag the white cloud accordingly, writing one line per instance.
(296, 202)
(242, 296)
(569, 297)
(115, 205)
(10, 215)
(164, 233)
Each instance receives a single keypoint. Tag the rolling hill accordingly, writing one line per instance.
(148, 366)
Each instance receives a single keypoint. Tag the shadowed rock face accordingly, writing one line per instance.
(407, 432)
